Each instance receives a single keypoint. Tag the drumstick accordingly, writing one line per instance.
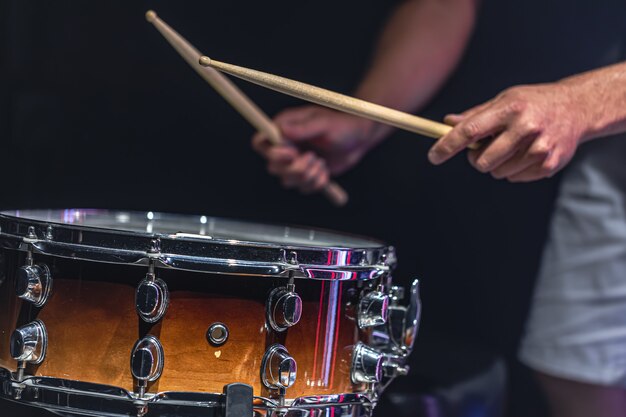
(234, 96)
(333, 100)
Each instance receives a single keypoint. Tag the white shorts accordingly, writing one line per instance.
(577, 324)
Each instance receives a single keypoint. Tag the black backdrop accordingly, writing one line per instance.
(97, 110)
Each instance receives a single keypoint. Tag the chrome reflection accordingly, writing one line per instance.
(398, 335)
(29, 343)
(68, 397)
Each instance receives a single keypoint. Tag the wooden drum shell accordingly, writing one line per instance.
(92, 326)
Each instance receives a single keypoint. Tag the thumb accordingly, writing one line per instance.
(303, 130)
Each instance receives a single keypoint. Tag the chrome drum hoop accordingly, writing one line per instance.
(358, 259)
(75, 398)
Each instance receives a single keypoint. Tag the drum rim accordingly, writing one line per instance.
(195, 252)
(65, 392)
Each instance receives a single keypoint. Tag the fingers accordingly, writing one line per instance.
(493, 154)
(543, 169)
(522, 160)
(279, 158)
(307, 172)
(304, 171)
(481, 123)
(261, 143)
(315, 179)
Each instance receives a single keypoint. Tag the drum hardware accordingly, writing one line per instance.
(146, 362)
(367, 365)
(283, 307)
(278, 369)
(333, 273)
(396, 294)
(68, 397)
(389, 258)
(373, 308)
(28, 344)
(33, 283)
(49, 235)
(151, 297)
(217, 334)
(238, 400)
(155, 249)
(398, 335)
(394, 365)
(31, 236)
(293, 258)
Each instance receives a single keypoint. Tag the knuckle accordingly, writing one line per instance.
(540, 149)
(515, 106)
(469, 130)
(531, 126)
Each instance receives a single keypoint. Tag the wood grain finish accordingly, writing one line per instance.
(91, 328)
(191, 363)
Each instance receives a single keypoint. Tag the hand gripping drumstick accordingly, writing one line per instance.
(334, 100)
(233, 95)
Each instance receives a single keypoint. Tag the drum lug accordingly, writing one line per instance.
(283, 308)
(278, 368)
(373, 309)
(33, 283)
(152, 296)
(29, 343)
(151, 299)
(146, 362)
(367, 365)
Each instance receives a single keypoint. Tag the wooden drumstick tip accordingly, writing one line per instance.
(151, 15)
(205, 61)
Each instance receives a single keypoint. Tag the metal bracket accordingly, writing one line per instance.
(238, 400)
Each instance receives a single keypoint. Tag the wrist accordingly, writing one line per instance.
(371, 132)
(585, 118)
(596, 96)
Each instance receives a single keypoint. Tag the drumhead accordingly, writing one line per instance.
(167, 224)
(195, 242)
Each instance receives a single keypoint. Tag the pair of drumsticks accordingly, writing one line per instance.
(208, 69)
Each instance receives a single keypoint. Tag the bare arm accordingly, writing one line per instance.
(421, 45)
(418, 50)
(537, 128)
(601, 96)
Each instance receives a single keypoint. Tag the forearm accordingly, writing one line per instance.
(418, 50)
(601, 97)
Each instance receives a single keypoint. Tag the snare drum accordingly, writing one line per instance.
(125, 313)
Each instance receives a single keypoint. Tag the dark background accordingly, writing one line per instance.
(97, 110)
